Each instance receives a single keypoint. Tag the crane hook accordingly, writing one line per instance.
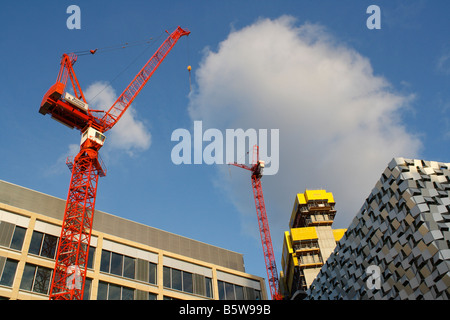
(189, 68)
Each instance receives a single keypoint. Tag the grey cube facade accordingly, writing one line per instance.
(398, 245)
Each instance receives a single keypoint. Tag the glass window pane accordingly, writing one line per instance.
(104, 264)
(9, 271)
(257, 295)
(166, 277)
(127, 293)
(49, 246)
(42, 280)
(152, 296)
(116, 263)
(102, 293)
(90, 263)
(229, 291)
(221, 288)
(208, 283)
(87, 289)
(17, 239)
(36, 240)
(187, 282)
(128, 267)
(152, 276)
(114, 292)
(28, 277)
(239, 292)
(176, 279)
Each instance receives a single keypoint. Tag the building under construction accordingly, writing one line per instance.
(127, 260)
(309, 242)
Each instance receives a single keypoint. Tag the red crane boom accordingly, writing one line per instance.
(73, 249)
(269, 257)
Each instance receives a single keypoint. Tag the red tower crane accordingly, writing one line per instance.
(269, 257)
(72, 255)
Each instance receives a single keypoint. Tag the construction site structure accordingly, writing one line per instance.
(309, 242)
(73, 111)
(266, 240)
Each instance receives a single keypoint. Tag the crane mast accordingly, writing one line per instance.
(69, 274)
(269, 257)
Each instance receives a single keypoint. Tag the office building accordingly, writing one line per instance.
(127, 260)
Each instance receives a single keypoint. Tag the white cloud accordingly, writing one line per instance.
(443, 64)
(60, 165)
(339, 123)
(129, 134)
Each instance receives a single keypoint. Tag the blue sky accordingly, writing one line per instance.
(345, 99)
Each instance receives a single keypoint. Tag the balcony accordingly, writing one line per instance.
(319, 220)
(310, 260)
(306, 246)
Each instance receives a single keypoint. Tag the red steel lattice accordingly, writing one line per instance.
(69, 274)
(263, 222)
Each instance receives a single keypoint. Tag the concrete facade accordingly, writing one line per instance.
(127, 260)
(398, 245)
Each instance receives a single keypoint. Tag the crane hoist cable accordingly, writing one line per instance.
(148, 43)
(189, 68)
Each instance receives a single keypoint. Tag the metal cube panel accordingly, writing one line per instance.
(403, 230)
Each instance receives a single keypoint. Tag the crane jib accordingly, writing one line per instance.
(126, 98)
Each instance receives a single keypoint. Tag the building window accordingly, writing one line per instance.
(43, 245)
(36, 279)
(87, 289)
(110, 291)
(17, 238)
(11, 236)
(116, 264)
(187, 282)
(208, 287)
(90, 263)
(8, 269)
(230, 291)
(152, 273)
(177, 279)
(106, 260)
(128, 267)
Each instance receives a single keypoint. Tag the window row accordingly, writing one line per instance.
(128, 267)
(42, 244)
(110, 291)
(37, 279)
(187, 282)
(231, 291)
